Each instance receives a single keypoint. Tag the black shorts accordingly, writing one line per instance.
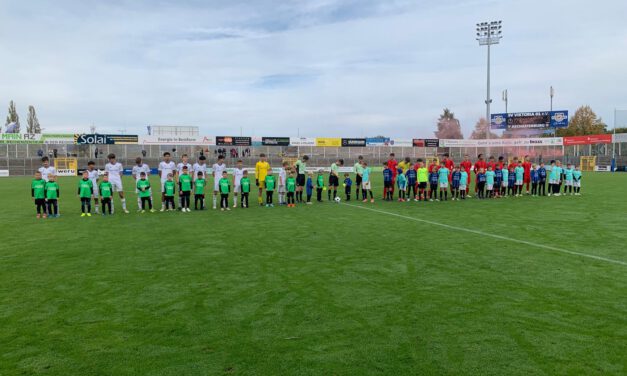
(422, 185)
(388, 184)
(434, 187)
(300, 180)
(358, 180)
(333, 181)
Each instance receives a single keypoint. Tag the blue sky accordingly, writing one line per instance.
(318, 68)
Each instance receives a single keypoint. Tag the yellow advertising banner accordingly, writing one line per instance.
(326, 141)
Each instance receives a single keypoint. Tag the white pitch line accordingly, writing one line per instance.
(477, 232)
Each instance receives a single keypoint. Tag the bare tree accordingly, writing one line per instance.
(481, 130)
(448, 126)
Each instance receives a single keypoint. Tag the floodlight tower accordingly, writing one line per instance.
(489, 33)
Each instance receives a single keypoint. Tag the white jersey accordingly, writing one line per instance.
(238, 173)
(179, 168)
(200, 168)
(115, 171)
(46, 171)
(93, 175)
(137, 170)
(166, 168)
(282, 175)
(218, 170)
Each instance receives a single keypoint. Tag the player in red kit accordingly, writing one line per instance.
(480, 165)
(527, 173)
(501, 163)
(393, 165)
(434, 166)
(514, 163)
(492, 163)
(466, 165)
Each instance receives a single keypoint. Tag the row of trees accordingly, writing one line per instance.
(583, 122)
(12, 124)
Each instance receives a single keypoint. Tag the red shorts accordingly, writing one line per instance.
(527, 179)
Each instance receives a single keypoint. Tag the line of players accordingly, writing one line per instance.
(417, 180)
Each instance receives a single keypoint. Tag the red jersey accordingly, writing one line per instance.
(449, 164)
(501, 165)
(433, 167)
(393, 165)
(480, 164)
(512, 165)
(466, 165)
(493, 165)
(527, 167)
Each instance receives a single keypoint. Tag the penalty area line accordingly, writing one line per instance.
(477, 232)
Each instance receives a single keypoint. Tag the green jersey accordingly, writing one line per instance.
(143, 186)
(199, 186)
(244, 183)
(85, 188)
(38, 188)
(52, 190)
(290, 184)
(185, 183)
(358, 168)
(224, 186)
(423, 175)
(270, 183)
(168, 188)
(106, 189)
(301, 167)
(320, 181)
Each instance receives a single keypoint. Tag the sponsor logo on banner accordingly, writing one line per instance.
(544, 141)
(401, 143)
(275, 141)
(105, 139)
(353, 142)
(256, 141)
(619, 137)
(529, 120)
(38, 138)
(378, 141)
(588, 140)
(426, 142)
(4, 173)
(328, 141)
(233, 141)
(66, 172)
(302, 141)
(57, 138)
(177, 140)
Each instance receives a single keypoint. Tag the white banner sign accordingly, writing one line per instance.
(66, 172)
(177, 140)
(545, 141)
(4, 173)
(302, 141)
(619, 137)
(401, 143)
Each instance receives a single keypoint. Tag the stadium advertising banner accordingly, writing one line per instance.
(32, 138)
(378, 141)
(529, 120)
(401, 143)
(588, 140)
(105, 139)
(543, 141)
(620, 137)
(353, 142)
(275, 141)
(233, 141)
(302, 141)
(177, 140)
(328, 141)
(426, 142)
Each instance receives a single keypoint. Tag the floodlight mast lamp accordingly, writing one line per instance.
(489, 33)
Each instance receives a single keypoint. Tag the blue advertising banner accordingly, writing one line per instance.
(529, 120)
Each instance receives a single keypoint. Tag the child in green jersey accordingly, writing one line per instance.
(85, 192)
(143, 187)
(52, 196)
(290, 186)
(270, 185)
(577, 181)
(106, 192)
(225, 189)
(38, 193)
(319, 186)
(185, 189)
(169, 189)
(244, 184)
(199, 191)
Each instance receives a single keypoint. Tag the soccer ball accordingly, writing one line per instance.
(337, 200)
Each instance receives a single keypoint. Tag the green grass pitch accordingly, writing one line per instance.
(325, 289)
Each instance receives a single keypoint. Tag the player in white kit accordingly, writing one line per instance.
(179, 169)
(115, 171)
(93, 176)
(200, 166)
(218, 169)
(282, 176)
(140, 167)
(238, 173)
(46, 169)
(166, 166)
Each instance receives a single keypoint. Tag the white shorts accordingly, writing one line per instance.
(490, 187)
(519, 182)
(568, 183)
(577, 184)
(554, 181)
(281, 189)
(162, 183)
(504, 184)
(365, 184)
(237, 188)
(216, 185)
(96, 192)
(117, 185)
(462, 187)
(444, 185)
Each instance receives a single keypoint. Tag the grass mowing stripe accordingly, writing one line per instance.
(477, 232)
